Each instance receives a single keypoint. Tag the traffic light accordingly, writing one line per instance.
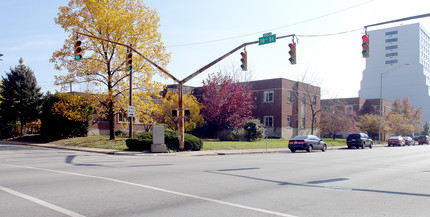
(187, 112)
(78, 50)
(129, 60)
(244, 61)
(175, 113)
(292, 53)
(365, 45)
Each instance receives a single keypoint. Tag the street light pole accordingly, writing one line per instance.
(380, 97)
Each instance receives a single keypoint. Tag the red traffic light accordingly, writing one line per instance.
(292, 53)
(365, 46)
(365, 38)
(292, 46)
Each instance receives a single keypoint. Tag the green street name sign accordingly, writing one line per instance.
(267, 38)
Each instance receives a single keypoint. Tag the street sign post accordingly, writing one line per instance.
(267, 38)
(131, 111)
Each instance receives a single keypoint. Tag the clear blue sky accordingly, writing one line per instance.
(197, 32)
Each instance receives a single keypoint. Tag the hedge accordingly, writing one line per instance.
(143, 141)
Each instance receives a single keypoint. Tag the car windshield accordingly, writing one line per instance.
(395, 137)
(354, 136)
(300, 137)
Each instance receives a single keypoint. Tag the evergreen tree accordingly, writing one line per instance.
(426, 129)
(21, 96)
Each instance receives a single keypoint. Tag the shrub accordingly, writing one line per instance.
(191, 143)
(225, 135)
(138, 144)
(253, 130)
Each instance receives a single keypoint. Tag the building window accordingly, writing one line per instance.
(314, 100)
(391, 61)
(289, 121)
(348, 109)
(391, 33)
(390, 40)
(268, 121)
(391, 54)
(122, 117)
(391, 47)
(303, 121)
(289, 96)
(268, 96)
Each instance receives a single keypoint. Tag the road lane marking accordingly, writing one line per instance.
(41, 202)
(157, 189)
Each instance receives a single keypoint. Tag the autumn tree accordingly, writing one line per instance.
(369, 123)
(170, 102)
(103, 65)
(22, 99)
(227, 102)
(334, 119)
(404, 118)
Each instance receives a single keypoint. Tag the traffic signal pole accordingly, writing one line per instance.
(182, 82)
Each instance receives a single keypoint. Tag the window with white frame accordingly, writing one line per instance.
(268, 96)
(349, 109)
(268, 121)
(289, 121)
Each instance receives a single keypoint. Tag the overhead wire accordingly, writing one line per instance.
(281, 27)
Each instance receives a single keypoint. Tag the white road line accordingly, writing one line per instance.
(158, 189)
(41, 202)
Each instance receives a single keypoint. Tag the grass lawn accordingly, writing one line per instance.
(271, 143)
(94, 142)
(119, 143)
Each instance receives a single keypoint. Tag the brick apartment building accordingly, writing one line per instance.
(284, 106)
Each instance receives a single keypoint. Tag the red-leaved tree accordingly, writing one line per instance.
(227, 103)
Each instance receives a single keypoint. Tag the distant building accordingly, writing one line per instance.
(357, 105)
(391, 49)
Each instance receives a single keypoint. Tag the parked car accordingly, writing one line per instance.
(409, 141)
(359, 140)
(423, 140)
(307, 142)
(396, 141)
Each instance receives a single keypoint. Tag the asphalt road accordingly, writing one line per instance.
(383, 181)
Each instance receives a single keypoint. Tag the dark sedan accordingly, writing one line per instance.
(307, 142)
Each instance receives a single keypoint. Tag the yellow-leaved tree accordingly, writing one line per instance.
(103, 64)
(170, 102)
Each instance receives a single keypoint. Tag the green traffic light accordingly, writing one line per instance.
(292, 61)
(78, 57)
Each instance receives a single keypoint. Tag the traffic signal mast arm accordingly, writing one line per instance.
(224, 56)
(137, 52)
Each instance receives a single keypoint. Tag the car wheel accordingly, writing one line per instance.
(324, 148)
(349, 147)
(309, 148)
(293, 150)
(363, 145)
(371, 145)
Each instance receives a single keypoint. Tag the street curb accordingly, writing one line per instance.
(183, 153)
